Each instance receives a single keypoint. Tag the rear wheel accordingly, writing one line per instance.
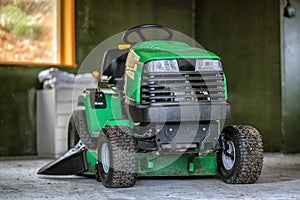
(241, 159)
(117, 158)
(73, 136)
(81, 127)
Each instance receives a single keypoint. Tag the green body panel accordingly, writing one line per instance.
(133, 82)
(166, 165)
(155, 50)
(120, 122)
(92, 159)
(225, 86)
(97, 118)
(172, 165)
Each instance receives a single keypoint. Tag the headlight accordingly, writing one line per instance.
(162, 66)
(208, 65)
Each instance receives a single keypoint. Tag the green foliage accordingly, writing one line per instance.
(33, 5)
(11, 16)
(15, 20)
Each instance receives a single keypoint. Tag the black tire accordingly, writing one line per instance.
(97, 173)
(73, 136)
(117, 157)
(242, 159)
(82, 129)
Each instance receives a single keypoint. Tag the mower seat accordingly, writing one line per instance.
(114, 65)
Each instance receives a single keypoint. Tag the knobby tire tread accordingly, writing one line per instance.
(249, 155)
(123, 172)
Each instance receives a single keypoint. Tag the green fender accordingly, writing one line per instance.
(120, 122)
(98, 118)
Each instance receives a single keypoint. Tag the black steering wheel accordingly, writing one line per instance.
(138, 30)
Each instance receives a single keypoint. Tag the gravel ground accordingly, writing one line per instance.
(280, 179)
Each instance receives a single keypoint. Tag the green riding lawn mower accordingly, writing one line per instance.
(159, 110)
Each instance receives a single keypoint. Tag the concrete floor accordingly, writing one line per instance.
(280, 179)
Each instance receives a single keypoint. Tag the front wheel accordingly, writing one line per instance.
(117, 158)
(241, 159)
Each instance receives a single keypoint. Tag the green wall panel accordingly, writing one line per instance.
(17, 110)
(246, 34)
